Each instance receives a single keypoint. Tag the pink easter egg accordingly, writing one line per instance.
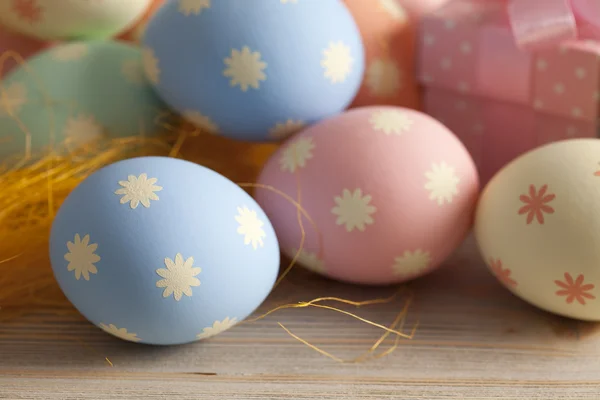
(24, 46)
(388, 192)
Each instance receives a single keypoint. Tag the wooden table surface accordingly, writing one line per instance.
(474, 341)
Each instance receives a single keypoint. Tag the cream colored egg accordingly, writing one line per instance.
(71, 19)
(538, 227)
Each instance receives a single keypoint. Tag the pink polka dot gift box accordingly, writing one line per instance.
(502, 92)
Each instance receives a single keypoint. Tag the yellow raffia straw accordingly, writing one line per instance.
(34, 188)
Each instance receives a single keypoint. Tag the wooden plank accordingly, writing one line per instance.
(474, 340)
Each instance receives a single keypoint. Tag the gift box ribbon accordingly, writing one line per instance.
(538, 24)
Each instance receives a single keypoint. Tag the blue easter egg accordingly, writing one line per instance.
(163, 251)
(77, 92)
(254, 70)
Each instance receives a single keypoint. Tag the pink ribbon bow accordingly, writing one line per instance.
(539, 24)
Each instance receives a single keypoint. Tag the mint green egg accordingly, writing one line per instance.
(75, 93)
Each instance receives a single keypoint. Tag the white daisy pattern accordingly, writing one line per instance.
(121, 333)
(70, 52)
(82, 257)
(140, 189)
(201, 121)
(179, 277)
(354, 210)
(296, 154)
(82, 128)
(383, 78)
(442, 183)
(245, 69)
(393, 9)
(151, 65)
(193, 7)
(133, 71)
(283, 130)
(310, 260)
(411, 263)
(12, 99)
(391, 122)
(337, 62)
(217, 327)
(250, 227)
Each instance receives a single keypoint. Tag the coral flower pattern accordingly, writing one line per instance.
(536, 204)
(82, 257)
(179, 277)
(28, 10)
(217, 327)
(353, 210)
(250, 227)
(503, 274)
(245, 68)
(575, 289)
(383, 78)
(121, 333)
(138, 190)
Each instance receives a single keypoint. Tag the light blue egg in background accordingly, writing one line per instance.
(254, 70)
(92, 89)
(163, 251)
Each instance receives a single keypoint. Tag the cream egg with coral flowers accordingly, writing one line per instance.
(537, 226)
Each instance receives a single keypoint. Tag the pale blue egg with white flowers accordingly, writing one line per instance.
(254, 70)
(73, 93)
(163, 251)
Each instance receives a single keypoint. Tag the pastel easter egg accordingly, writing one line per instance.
(538, 227)
(77, 92)
(386, 194)
(22, 45)
(254, 70)
(136, 32)
(71, 19)
(388, 33)
(163, 251)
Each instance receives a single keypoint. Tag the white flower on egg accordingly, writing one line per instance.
(245, 68)
(296, 154)
(337, 62)
(383, 78)
(286, 129)
(354, 210)
(70, 52)
(201, 121)
(391, 121)
(136, 190)
(411, 263)
(179, 277)
(151, 65)
(217, 327)
(250, 227)
(442, 183)
(120, 332)
(82, 129)
(309, 260)
(12, 99)
(189, 7)
(133, 71)
(82, 257)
